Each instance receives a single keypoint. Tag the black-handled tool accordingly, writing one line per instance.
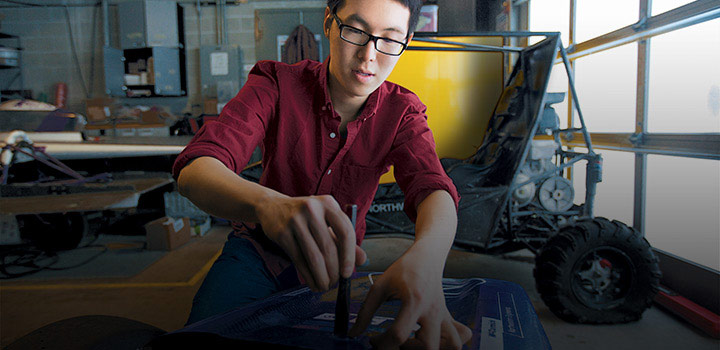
(342, 306)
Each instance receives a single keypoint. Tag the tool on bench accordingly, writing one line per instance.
(342, 306)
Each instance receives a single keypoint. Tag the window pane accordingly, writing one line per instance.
(606, 87)
(550, 16)
(683, 204)
(660, 6)
(684, 89)
(559, 83)
(595, 18)
(614, 197)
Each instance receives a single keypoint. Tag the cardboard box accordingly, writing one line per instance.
(100, 109)
(167, 233)
(153, 117)
(151, 71)
(210, 106)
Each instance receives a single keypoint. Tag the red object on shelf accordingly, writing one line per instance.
(60, 95)
(194, 126)
(699, 316)
(209, 118)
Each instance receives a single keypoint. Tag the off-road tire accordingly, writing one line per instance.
(54, 231)
(566, 278)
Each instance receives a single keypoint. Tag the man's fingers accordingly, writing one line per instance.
(345, 233)
(293, 251)
(463, 331)
(313, 257)
(451, 338)
(361, 258)
(400, 330)
(326, 244)
(429, 333)
(373, 300)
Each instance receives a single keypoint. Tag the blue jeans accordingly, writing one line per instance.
(239, 276)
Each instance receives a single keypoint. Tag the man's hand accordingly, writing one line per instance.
(316, 235)
(418, 284)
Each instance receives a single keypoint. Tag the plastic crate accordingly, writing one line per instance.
(177, 206)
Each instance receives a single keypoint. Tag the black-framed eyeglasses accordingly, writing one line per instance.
(361, 38)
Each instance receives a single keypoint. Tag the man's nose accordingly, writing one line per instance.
(368, 52)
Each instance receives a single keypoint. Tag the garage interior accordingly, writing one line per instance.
(112, 90)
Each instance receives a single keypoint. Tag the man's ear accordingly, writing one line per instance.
(410, 38)
(327, 22)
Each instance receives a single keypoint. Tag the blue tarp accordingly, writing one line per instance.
(499, 313)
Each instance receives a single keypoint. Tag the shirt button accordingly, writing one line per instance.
(329, 171)
(323, 108)
(332, 135)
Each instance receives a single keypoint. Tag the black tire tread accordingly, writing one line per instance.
(555, 258)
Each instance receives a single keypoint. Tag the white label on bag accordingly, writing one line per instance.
(491, 336)
(178, 225)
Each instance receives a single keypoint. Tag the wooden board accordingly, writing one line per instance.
(84, 201)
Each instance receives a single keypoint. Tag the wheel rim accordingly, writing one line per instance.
(602, 277)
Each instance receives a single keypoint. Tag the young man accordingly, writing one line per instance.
(328, 131)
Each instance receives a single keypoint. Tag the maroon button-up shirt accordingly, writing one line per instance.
(287, 110)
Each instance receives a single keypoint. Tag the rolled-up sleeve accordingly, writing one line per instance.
(418, 171)
(241, 125)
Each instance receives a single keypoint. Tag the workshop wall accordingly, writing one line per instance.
(47, 57)
(240, 31)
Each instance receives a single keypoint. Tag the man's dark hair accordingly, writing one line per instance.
(412, 5)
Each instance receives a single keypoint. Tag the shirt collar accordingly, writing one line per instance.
(371, 105)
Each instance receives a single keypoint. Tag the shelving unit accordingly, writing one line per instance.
(10, 58)
(151, 59)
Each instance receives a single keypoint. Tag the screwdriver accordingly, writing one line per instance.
(342, 306)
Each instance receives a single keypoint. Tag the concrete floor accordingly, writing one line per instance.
(161, 296)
